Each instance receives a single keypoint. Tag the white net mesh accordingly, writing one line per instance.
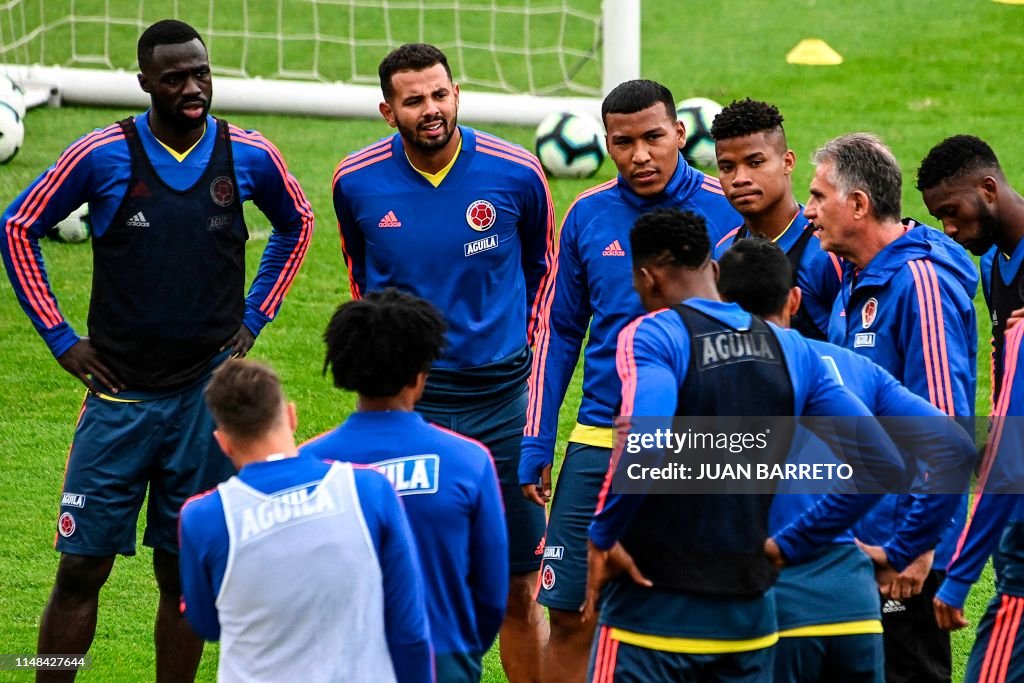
(539, 47)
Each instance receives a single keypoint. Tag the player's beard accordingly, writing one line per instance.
(988, 228)
(429, 145)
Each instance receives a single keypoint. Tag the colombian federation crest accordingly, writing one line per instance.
(66, 524)
(869, 312)
(481, 215)
(547, 577)
(222, 191)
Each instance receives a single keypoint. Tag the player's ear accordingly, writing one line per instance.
(224, 441)
(989, 189)
(788, 162)
(793, 300)
(388, 114)
(293, 416)
(143, 83)
(680, 134)
(715, 271)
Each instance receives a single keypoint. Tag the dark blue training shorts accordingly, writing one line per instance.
(122, 447)
(563, 575)
(612, 661)
(499, 426)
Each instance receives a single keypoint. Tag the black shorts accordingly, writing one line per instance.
(916, 649)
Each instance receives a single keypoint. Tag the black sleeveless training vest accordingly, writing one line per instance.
(802, 321)
(169, 273)
(712, 544)
(1004, 300)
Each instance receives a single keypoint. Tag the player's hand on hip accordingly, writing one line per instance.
(84, 362)
(774, 553)
(885, 575)
(539, 493)
(240, 343)
(910, 581)
(602, 567)
(947, 617)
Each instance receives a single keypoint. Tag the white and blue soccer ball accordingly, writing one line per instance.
(570, 145)
(697, 115)
(12, 132)
(12, 95)
(73, 229)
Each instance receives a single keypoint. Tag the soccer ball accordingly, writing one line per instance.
(697, 114)
(12, 95)
(570, 145)
(12, 133)
(73, 229)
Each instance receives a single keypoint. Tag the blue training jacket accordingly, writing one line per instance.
(997, 519)
(593, 288)
(478, 246)
(927, 519)
(654, 357)
(96, 170)
(911, 311)
(820, 273)
(450, 490)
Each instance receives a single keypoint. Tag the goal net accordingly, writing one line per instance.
(524, 58)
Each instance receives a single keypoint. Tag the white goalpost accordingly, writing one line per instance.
(516, 60)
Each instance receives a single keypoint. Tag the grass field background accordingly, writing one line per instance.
(914, 72)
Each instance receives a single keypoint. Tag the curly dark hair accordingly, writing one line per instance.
(670, 236)
(955, 157)
(378, 344)
(744, 117)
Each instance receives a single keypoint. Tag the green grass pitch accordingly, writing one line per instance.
(914, 72)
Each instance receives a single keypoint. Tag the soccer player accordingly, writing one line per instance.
(755, 167)
(696, 602)
(381, 346)
(300, 568)
(963, 186)
(592, 289)
(907, 304)
(828, 607)
(464, 220)
(165, 190)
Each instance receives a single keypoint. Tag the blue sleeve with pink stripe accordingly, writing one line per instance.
(94, 169)
(264, 178)
(353, 242)
(653, 356)
(1002, 465)
(537, 236)
(558, 347)
(937, 334)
